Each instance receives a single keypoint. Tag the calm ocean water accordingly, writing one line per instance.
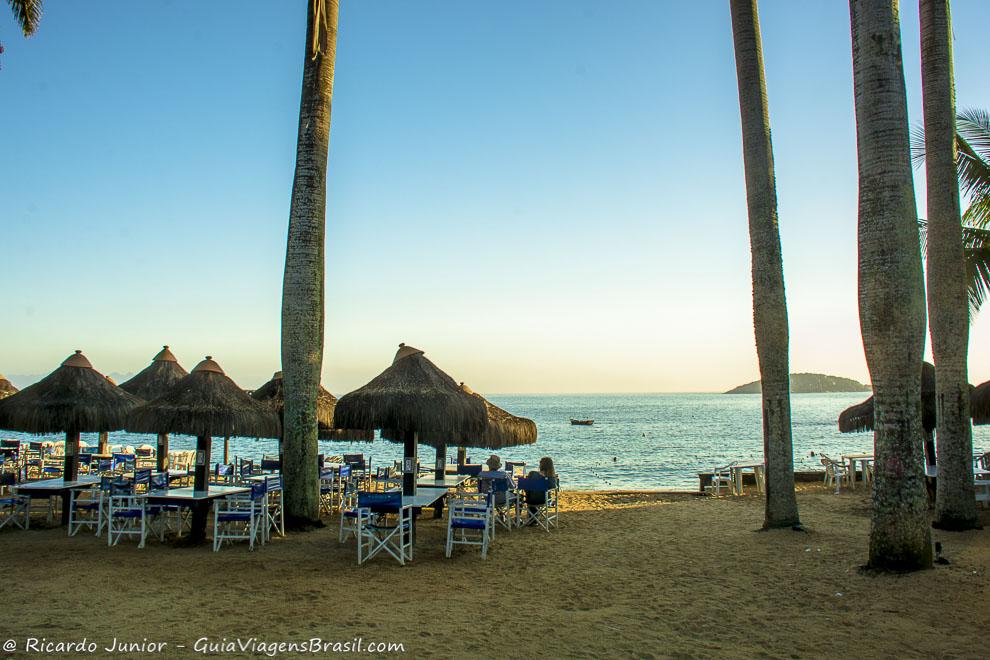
(637, 441)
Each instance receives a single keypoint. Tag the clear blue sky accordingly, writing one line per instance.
(545, 196)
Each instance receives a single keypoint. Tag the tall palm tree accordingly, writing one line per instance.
(303, 282)
(891, 289)
(948, 311)
(973, 165)
(769, 300)
(27, 13)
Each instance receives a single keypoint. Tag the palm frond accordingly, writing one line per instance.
(923, 236)
(978, 213)
(973, 142)
(978, 276)
(27, 13)
(918, 145)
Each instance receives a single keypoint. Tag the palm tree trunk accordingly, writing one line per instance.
(769, 299)
(891, 291)
(948, 303)
(303, 283)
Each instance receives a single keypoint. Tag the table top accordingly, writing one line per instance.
(424, 497)
(747, 465)
(191, 494)
(57, 484)
(448, 481)
(860, 456)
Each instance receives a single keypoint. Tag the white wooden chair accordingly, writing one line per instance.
(468, 521)
(721, 480)
(240, 517)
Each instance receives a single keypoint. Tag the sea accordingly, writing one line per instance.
(637, 441)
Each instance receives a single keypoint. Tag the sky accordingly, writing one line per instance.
(544, 196)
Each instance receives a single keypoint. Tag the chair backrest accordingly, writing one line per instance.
(126, 461)
(344, 471)
(258, 490)
(104, 465)
(85, 459)
(223, 470)
(246, 468)
(273, 484)
(144, 452)
(158, 481)
(380, 502)
(356, 461)
(269, 463)
(121, 488)
(87, 450)
(383, 472)
(142, 477)
(472, 470)
(536, 484)
(10, 444)
(985, 461)
(36, 446)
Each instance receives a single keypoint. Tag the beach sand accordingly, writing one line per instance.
(627, 574)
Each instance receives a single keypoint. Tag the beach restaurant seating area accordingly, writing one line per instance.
(117, 499)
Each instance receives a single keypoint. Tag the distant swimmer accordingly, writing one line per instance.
(614, 459)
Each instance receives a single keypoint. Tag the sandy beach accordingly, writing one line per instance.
(627, 574)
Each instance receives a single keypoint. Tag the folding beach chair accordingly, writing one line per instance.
(349, 514)
(504, 500)
(223, 474)
(14, 509)
(541, 501)
(85, 510)
(468, 521)
(270, 464)
(239, 517)
(124, 463)
(274, 509)
(126, 514)
(164, 518)
(142, 480)
(384, 524)
(245, 469)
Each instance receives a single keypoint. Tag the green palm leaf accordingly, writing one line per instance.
(27, 13)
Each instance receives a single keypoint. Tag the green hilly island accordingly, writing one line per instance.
(809, 383)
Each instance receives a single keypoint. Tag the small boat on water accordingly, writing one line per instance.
(582, 422)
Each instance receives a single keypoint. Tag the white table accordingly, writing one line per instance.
(736, 471)
(864, 459)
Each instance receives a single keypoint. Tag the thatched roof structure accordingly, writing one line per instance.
(205, 403)
(859, 418)
(155, 379)
(6, 387)
(979, 403)
(272, 394)
(413, 395)
(502, 430)
(75, 398)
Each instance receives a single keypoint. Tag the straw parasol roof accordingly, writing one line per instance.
(155, 379)
(503, 429)
(6, 387)
(205, 403)
(413, 395)
(272, 393)
(979, 403)
(75, 398)
(859, 417)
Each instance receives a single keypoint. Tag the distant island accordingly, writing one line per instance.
(809, 383)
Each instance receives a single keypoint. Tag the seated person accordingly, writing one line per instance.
(494, 471)
(534, 498)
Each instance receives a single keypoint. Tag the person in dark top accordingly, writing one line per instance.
(536, 498)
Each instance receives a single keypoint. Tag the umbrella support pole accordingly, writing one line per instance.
(226, 449)
(201, 481)
(104, 441)
(440, 473)
(162, 452)
(410, 471)
(461, 456)
(70, 470)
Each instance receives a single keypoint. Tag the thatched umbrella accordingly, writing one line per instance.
(74, 399)
(206, 403)
(6, 387)
(413, 398)
(502, 430)
(979, 403)
(273, 394)
(152, 382)
(860, 417)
